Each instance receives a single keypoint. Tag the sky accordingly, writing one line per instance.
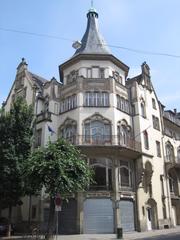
(151, 26)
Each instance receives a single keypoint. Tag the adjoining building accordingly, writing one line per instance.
(132, 143)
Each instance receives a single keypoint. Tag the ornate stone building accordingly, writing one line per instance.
(132, 143)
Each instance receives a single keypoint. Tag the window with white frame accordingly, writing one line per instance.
(96, 99)
(95, 72)
(158, 148)
(123, 104)
(169, 152)
(125, 174)
(124, 133)
(102, 173)
(155, 121)
(68, 130)
(68, 103)
(97, 130)
(154, 103)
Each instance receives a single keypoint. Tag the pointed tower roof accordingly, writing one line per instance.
(92, 41)
(92, 46)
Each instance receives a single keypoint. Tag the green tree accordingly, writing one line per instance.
(60, 168)
(15, 146)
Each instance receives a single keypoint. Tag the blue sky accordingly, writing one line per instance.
(151, 25)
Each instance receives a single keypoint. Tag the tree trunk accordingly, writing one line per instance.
(9, 221)
(29, 214)
(51, 221)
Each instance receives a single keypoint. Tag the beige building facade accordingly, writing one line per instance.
(130, 140)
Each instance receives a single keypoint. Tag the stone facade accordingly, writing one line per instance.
(129, 139)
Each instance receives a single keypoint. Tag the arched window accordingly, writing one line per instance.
(68, 130)
(97, 130)
(143, 110)
(169, 152)
(125, 175)
(146, 139)
(102, 173)
(124, 133)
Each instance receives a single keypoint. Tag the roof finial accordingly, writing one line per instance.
(92, 4)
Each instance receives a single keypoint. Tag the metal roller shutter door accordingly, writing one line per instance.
(98, 216)
(127, 215)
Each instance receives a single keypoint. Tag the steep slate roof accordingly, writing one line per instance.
(92, 41)
(37, 79)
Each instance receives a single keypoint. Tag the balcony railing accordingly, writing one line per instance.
(173, 160)
(105, 140)
(44, 116)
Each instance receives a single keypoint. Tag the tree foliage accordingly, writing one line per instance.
(15, 146)
(60, 168)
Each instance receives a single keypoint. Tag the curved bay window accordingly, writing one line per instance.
(124, 133)
(97, 130)
(102, 174)
(68, 130)
(125, 175)
(169, 152)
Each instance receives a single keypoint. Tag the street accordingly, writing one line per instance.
(167, 237)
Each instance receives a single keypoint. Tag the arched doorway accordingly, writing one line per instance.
(151, 214)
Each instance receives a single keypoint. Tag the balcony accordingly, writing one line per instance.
(172, 162)
(43, 116)
(105, 140)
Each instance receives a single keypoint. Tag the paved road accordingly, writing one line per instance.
(167, 237)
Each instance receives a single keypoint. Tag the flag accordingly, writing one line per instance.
(51, 130)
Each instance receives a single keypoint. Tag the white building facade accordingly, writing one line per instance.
(132, 143)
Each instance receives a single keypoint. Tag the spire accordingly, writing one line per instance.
(92, 41)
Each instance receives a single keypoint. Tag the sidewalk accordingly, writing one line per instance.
(126, 236)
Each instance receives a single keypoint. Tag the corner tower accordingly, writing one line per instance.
(93, 47)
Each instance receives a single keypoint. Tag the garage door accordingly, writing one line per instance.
(98, 216)
(127, 215)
